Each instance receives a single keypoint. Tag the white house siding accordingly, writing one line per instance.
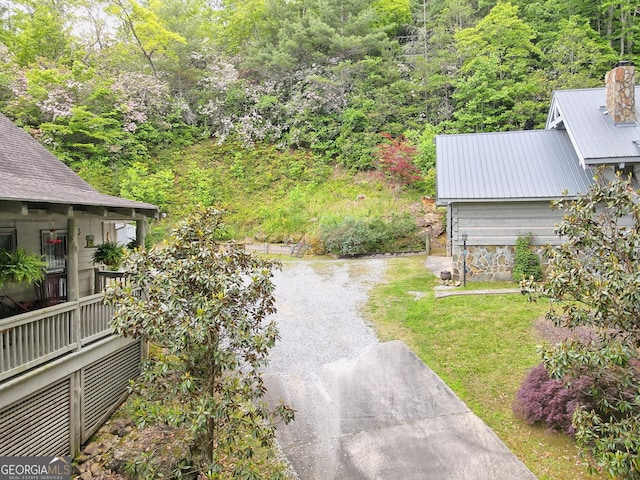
(492, 229)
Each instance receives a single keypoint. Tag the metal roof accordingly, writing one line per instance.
(595, 137)
(517, 166)
(30, 173)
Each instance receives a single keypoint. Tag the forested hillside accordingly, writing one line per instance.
(144, 98)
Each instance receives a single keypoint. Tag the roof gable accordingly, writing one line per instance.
(30, 173)
(518, 166)
(596, 139)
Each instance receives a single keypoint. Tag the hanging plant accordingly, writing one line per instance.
(20, 267)
(109, 253)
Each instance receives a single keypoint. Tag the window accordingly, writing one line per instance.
(7, 239)
(54, 249)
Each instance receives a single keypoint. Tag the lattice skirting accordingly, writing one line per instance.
(58, 418)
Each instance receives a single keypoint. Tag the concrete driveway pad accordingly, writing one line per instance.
(386, 415)
(364, 409)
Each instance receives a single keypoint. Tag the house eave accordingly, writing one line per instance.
(627, 160)
(443, 202)
(35, 210)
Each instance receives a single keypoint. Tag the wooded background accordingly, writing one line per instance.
(120, 90)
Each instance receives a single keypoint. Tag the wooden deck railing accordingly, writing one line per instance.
(34, 338)
(104, 278)
(94, 318)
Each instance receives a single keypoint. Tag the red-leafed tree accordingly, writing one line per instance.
(395, 160)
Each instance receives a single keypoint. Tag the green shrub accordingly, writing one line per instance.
(352, 236)
(527, 263)
(345, 238)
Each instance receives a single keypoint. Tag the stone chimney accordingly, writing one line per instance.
(620, 89)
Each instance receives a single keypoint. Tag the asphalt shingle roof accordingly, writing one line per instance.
(30, 173)
(522, 165)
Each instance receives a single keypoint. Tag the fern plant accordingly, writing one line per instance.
(109, 253)
(20, 267)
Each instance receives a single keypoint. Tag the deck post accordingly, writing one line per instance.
(73, 295)
(141, 231)
(73, 280)
(73, 286)
(75, 413)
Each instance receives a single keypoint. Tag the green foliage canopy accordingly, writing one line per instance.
(325, 75)
(149, 34)
(499, 82)
(37, 31)
(135, 81)
(578, 56)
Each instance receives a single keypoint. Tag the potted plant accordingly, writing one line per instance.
(109, 254)
(20, 267)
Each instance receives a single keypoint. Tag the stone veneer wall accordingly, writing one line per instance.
(620, 93)
(489, 263)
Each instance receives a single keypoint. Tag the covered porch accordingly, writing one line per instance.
(62, 371)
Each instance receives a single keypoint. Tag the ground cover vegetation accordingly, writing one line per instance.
(482, 346)
(275, 196)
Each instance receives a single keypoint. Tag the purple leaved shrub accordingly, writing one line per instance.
(549, 401)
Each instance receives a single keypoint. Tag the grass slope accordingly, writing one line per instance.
(274, 195)
(482, 347)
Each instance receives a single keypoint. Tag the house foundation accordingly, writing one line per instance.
(489, 263)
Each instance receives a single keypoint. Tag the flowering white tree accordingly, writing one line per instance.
(140, 97)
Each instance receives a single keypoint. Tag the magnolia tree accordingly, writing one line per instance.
(208, 310)
(594, 282)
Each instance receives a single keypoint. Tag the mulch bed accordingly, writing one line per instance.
(553, 334)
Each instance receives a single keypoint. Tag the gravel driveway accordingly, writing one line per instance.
(318, 304)
(365, 409)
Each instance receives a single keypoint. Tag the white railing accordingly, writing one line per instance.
(104, 278)
(34, 338)
(94, 318)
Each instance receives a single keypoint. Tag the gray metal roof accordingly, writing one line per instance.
(30, 173)
(517, 166)
(596, 139)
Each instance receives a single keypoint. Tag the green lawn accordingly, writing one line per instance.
(482, 347)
